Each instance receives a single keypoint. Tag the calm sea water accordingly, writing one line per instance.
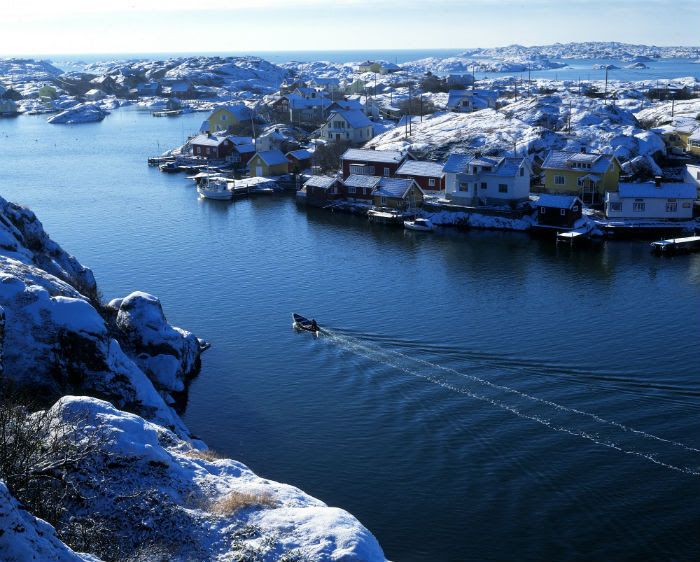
(481, 395)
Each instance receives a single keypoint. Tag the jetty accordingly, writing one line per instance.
(676, 245)
(572, 237)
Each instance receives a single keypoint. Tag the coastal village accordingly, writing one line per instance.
(403, 145)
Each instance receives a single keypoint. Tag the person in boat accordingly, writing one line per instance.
(314, 325)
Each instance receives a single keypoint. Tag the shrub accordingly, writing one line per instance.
(235, 501)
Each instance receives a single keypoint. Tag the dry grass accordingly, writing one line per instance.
(230, 504)
(205, 454)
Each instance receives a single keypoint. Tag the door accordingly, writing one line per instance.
(258, 171)
(337, 136)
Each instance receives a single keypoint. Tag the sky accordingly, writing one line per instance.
(50, 27)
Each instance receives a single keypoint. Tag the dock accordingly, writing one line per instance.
(676, 245)
(572, 237)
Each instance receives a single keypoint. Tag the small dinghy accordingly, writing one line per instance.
(422, 225)
(302, 323)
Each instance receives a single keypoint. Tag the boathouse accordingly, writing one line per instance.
(359, 188)
(397, 193)
(319, 191)
(428, 175)
(558, 211)
(268, 163)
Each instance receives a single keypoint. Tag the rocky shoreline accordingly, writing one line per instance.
(150, 487)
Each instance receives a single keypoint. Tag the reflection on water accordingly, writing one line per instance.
(481, 394)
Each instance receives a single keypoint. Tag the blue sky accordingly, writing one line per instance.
(143, 26)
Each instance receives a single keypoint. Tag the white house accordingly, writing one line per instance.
(330, 85)
(651, 200)
(464, 101)
(350, 125)
(487, 180)
(692, 175)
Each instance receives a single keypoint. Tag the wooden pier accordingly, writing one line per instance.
(676, 245)
(572, 237)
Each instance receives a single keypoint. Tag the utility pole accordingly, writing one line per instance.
(605, 95)
(410, 103)
(421, 107)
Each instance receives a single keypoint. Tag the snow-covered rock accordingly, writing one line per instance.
(154, 488)
(23, 537)
(168, 355)
(82, 113)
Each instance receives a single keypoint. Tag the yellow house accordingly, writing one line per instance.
(227, 117)
(694, 143)
(587, 175)
(397, 193)
(268, 163)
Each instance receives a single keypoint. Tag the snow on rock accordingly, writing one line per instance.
(171, 494)
(81, 113)
(168, 355)
(57, 342)
(23, 537)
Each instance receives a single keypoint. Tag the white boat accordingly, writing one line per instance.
(423, 225)
(215, 188)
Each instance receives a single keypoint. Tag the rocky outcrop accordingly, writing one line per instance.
(24, 537)
(81, 113)
(149, 491)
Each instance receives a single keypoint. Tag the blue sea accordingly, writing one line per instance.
(477, 395)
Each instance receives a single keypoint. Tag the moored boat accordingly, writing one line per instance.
(419, 224)
(215, 188)
(169, 168)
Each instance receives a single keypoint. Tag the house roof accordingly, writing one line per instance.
(298, 102)
(664, 191)
(557, 201)
(208, 140)
(561, 160)
(357, 180)
(238, 110)
(240, 140)
(244, 148)
(393, 187)
(420, 168)
(354, 117)
(272, 157)
(348, 104)
(324, 182)
(365, 155)
(301, 154)
(457, 163)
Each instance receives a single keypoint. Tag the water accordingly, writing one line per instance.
(479, 396)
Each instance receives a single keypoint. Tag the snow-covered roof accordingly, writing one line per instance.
(349, 104)
(358, 180)
(238, 110)
(298, 102)
(562, 160)
(301, 154)
(208, 140)
(272, 157)
(456, 163)
(393, 187)
(664, 191)
(455, 96)
(244, 148)
(557, 201)
(354, 117)
(240, 140)
(420, 168)
(364, 155)
(324, 182)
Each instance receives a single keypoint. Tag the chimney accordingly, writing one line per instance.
(657, 181)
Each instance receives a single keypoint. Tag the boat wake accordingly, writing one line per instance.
(663, 452)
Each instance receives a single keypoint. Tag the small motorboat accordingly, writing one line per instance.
(169, 168)
(423, 225)
(302, 323)
(215, 188)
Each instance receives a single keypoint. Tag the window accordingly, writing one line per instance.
(671, 206)
(542, 210)
(431, 182)
(638, 206)
(562, 212)
(382, 200)
(361, 169)
(502, 188)
(574, 208)
(615, 206)
(559, 180)
(387, 171)
(463, 186)
(351, 189)
(522, 171)
(484, 185)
